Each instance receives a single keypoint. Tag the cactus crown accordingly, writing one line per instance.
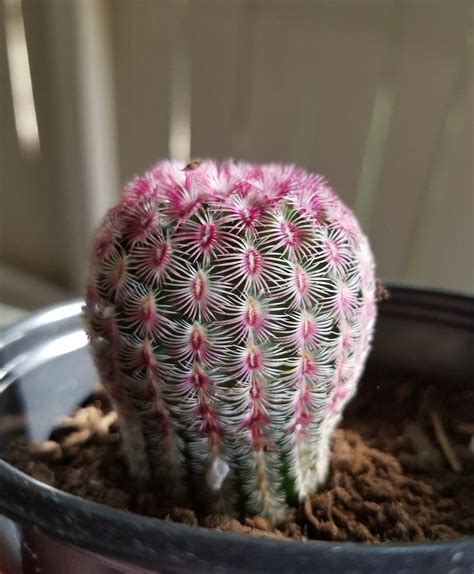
(230, 310)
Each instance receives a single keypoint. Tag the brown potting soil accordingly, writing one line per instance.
(401, 470)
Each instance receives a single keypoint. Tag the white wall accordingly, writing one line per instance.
(375, 95)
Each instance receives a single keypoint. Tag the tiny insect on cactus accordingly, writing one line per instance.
(230, 310)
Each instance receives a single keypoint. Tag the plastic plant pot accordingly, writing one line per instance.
(46, 371)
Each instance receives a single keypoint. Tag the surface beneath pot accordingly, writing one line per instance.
(402, 469)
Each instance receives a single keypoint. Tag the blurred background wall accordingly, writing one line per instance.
(375, 94)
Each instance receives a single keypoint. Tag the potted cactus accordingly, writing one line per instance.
(230, 310)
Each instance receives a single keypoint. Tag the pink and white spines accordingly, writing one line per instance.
(230, 309)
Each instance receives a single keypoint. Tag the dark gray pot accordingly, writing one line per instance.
(45, 371)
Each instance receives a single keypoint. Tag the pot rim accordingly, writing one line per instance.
(71, 307)
(12, 478)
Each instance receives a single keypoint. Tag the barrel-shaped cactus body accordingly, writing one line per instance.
(230, 309)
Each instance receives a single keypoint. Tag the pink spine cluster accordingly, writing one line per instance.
(230, 309)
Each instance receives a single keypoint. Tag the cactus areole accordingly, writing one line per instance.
(230, 309)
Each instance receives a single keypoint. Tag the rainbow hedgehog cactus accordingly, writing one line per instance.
(230, 310)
